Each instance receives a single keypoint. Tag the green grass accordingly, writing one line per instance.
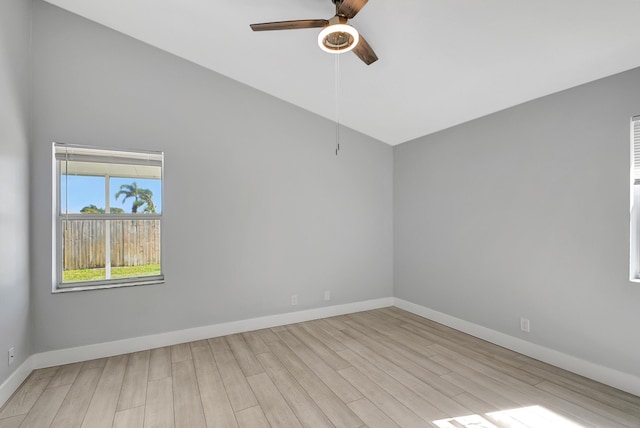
(116, 272)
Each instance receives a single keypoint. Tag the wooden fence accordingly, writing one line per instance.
(133, 243)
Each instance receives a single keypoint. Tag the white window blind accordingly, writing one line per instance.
(70, 152)
(634, 212)
(636, 149)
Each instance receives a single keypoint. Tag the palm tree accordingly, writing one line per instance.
(146, 195)
(140, 197)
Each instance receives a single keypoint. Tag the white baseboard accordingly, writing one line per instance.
(16, 378)
(606, 375)
(107, 349)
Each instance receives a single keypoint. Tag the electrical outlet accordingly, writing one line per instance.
(327, 295)
(525, 325)
(11, 355)
(294, 299)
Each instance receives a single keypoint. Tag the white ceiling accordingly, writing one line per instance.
(442, 62)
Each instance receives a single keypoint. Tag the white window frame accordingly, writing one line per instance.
(120, 156)
(634, 209)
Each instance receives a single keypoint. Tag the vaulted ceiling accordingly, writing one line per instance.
(442, 62)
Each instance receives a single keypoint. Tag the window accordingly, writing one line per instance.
(634, 252)
(108, 217)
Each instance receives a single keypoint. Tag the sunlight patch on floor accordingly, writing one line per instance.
(523, 417)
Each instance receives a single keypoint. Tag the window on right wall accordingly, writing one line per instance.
(634, 250)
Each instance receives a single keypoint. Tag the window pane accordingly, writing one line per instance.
(132, 188)
(83, 250)
(81, 193)
(135, 248)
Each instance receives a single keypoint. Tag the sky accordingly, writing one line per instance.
(88, 190)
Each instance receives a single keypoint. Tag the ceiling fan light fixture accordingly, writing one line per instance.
(338, 38)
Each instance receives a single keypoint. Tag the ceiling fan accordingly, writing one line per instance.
(337, 36)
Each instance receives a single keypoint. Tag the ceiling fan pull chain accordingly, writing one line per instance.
(337, 79)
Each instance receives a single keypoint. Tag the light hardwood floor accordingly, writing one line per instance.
(380, 368)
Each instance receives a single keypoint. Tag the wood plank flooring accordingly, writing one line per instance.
(380, 368)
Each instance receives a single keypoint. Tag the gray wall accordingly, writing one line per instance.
(524, 213)
(15, 19)
(257, 205)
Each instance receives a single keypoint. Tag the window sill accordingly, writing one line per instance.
(86, 286)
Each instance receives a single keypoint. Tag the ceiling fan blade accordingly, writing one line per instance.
(290, 25)
(350, 8)
(364, 52)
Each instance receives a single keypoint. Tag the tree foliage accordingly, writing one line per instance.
(142, 198)
(92, 209)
